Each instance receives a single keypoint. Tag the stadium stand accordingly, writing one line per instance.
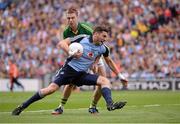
(145, 35)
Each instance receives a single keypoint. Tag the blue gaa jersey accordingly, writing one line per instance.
(90, 52)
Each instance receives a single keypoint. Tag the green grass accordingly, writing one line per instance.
(142, 107)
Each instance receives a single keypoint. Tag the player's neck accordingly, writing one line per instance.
(75, 28)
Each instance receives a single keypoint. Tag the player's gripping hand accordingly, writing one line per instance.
(76, 54)
(123, 79)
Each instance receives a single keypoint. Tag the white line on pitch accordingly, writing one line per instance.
(154, 105)
(48, 110)
(132, 106)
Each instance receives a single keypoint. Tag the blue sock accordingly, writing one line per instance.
(37, 96)
(106, 92)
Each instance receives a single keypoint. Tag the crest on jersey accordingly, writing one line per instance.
(90, 54)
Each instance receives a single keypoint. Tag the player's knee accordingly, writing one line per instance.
(69, 86)
(102, 81)
(49, 90)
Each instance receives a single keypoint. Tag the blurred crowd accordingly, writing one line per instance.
(145, 37)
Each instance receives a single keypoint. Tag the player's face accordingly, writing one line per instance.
(72, 19)
(100, 37)
(103, 36)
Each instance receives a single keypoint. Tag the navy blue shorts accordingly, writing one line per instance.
(67, 75)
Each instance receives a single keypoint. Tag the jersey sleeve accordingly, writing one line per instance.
(88, 28)
(106, 53)
(88, 32)
(64, 35)
(77, 38)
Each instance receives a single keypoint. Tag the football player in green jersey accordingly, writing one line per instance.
(75, 28)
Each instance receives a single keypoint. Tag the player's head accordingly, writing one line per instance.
(101, 33)
(72, 16)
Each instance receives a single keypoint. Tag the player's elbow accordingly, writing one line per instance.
(63, 44)
(60, 44)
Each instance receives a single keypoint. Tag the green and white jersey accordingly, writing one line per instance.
(83, 28)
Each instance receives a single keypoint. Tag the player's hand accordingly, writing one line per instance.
(76, 54)
(123, 79)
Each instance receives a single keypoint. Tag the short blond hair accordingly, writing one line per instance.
(72, 9)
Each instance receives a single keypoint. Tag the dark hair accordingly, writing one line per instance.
(101, 28)
(72, 9)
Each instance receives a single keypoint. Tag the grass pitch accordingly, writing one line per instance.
(142, 107)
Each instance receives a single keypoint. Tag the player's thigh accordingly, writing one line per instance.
(87, 79)
(93, 79)
(102, 71)
(60, 80)
(63, 76)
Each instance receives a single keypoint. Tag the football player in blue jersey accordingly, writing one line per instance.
(78, 65)
(75, 28)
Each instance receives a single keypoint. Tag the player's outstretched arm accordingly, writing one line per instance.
(114, 68)
(111, 65)
(64, 44)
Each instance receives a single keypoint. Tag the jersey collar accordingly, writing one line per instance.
(91, 39)
(76, 32)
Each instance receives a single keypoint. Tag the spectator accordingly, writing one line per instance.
(146, 36)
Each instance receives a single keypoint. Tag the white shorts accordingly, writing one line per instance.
(100, 63)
